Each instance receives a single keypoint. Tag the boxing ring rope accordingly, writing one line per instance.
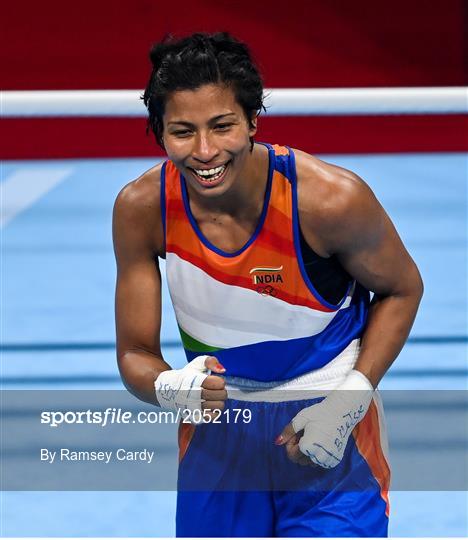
(279, 102)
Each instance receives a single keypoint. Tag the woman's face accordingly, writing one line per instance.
(207, 136)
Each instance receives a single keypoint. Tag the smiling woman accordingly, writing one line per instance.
(199, 60)
(206, 126)
(207, 136)
(270, 257)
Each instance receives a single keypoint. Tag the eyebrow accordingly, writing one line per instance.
(210, 121)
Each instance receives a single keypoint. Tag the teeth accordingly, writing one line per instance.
(210, 174)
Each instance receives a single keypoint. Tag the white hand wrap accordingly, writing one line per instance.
(181, 388)
(328, 424)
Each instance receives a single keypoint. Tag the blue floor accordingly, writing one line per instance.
(58, 323)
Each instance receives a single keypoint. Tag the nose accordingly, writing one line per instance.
(204, 150)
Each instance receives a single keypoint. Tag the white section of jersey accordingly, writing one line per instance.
(204, 306)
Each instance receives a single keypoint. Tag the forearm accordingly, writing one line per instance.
(327, 426)
(139, 369)
(389, 323)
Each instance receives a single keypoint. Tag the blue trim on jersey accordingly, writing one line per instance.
(202, 237)
(162, 202)
(294, 357)
(297, 244)
(282, 165)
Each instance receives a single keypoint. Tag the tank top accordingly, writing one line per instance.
(256, 309)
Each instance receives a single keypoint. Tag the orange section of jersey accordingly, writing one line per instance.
(280, 150)
(185, 435)
(239, 281)
(368, 441)
(272, 248)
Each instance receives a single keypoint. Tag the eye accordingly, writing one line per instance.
(182, 133)
(224, 126)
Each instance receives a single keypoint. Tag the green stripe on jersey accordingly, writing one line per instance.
(191, 344)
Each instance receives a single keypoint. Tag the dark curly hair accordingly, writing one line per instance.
(198, 59)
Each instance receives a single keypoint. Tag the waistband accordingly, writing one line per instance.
(315, 384)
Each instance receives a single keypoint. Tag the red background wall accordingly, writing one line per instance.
(317, 43)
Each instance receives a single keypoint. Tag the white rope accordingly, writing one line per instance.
(279, 102)
(349, 101)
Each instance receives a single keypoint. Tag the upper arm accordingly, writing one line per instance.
(353, 225)
(369, 247)
(138, 241)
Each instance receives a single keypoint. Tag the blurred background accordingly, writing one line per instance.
(60, 176)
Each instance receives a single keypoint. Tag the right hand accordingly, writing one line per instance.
(192, 387)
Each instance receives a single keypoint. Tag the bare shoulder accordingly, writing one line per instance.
(141, 195)
(332, 202)
(137, 210)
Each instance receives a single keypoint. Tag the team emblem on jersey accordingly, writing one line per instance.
(267, 290)
(264, 275)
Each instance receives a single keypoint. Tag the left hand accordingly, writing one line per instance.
(328, 425)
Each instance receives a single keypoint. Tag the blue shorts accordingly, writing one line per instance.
(234, 481)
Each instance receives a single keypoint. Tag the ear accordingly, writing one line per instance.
(253, 125)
